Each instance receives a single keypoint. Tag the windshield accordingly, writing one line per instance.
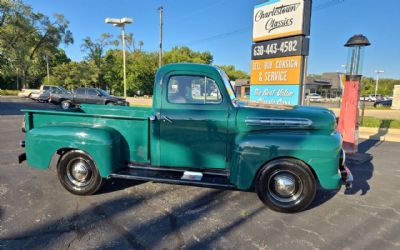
(102, 92)
(228, 86)
(62, 89)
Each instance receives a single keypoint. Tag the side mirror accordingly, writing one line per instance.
(98, 94)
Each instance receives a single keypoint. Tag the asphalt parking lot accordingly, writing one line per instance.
(37, 213)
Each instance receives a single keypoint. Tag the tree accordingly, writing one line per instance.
(386, 86)
(112, 70)
(95, 50)
(72, 75)
(141, 69)
(26, 36)
(233, 73)
(185, 54)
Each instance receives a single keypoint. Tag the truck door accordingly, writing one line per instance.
(93, 96)
(193, 122)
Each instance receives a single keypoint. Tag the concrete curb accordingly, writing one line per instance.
(380, 134)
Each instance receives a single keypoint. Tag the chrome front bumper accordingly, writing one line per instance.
(345, 173)
(347, 177)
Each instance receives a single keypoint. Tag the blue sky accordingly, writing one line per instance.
(224, 27)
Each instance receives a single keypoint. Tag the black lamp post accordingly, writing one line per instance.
(356, 45)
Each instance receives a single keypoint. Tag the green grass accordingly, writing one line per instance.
(373, 122)
(377, 108)
(8, 92)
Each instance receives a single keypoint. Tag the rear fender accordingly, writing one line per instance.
(101, 143)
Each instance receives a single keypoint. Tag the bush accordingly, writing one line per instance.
(8, 92)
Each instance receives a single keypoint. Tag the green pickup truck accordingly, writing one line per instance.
(196, 133)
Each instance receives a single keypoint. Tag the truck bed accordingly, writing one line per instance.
(130, 122)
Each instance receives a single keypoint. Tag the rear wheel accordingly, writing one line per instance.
(286, 185)
(78, 173)
(110, 104)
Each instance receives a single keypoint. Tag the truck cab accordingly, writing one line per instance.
(196, 133)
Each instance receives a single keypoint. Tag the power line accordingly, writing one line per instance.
(328, 4)
(199, 11)
(318, 7)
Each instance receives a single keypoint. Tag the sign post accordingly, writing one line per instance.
(279, 53)
(396, 97)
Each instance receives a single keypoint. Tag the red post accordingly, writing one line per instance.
(349, 113)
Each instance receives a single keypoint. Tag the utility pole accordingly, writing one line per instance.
(48, 70)
(161, 9)
(17, 79)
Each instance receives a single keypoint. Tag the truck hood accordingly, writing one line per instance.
(285, 117)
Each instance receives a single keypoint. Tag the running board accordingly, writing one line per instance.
(173, 176)
(211, 171)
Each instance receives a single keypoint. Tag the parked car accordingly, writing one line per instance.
(92, 96)
(43, 96)
(27, 92)
(314, 97)
(35, 95)
(383, 103)
(192, 138)
(372, 97)
(59, 95)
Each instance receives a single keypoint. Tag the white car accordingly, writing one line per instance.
(372, 98)
(314, 97)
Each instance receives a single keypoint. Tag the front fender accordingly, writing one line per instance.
(101, 143)
(253, 150)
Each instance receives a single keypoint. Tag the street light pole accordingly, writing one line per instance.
(121, 23)
(124, 57)
(377, 72)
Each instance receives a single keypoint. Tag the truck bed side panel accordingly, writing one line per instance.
(130, 124)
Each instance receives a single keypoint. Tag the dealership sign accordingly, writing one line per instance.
(282, 70)
(291, 46)
(275, 94)
(281, 45)
(281, 18)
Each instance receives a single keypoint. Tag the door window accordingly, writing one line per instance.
(80, 91)
(92, 92)
(193, 90)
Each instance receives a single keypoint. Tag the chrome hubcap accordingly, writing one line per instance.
(65, 105)
(285, 186)
(79, 172)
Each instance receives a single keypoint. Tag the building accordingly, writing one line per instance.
(242, 88)
(328, 85)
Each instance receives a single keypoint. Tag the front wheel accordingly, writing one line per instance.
(286, 185)
(78, 173)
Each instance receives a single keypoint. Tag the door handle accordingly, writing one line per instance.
(165, 118)
(152, 118)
